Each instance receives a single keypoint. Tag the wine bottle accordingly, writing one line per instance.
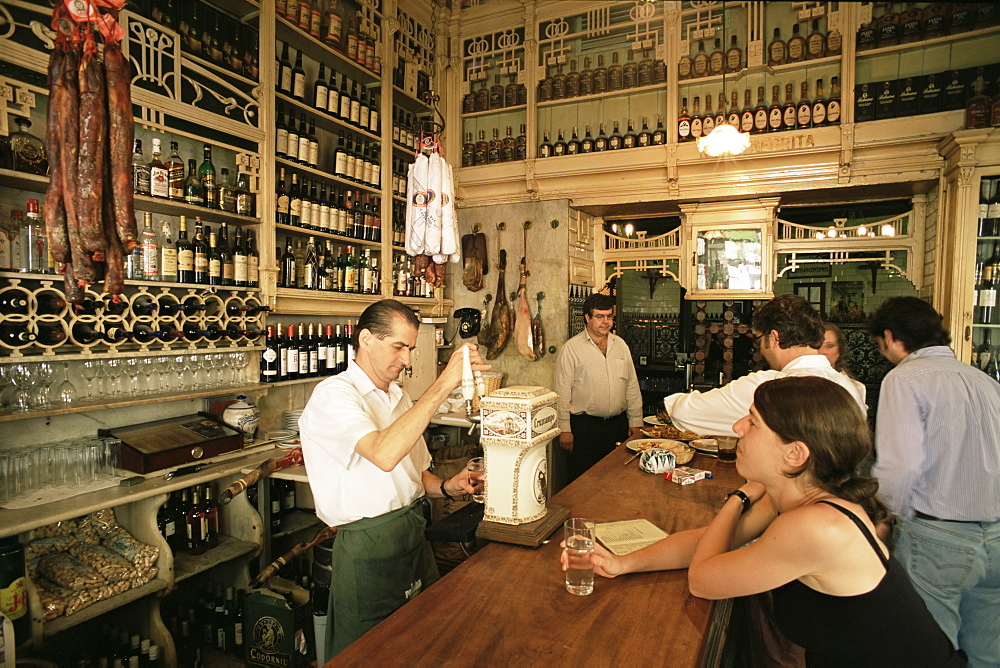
(734, 57)
(717, 60)
(185, 254)
(746, 113)
(776, 50)
(199, 249)
(615, 141)
(196, 524)
(696, 119)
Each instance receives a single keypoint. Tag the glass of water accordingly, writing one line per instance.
(477, 478)
(579, 534)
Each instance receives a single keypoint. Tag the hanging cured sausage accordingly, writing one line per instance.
(500, 320)
(522, 321)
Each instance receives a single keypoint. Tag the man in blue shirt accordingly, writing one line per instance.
(938, 449)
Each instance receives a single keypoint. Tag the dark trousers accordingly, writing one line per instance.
(593, 438)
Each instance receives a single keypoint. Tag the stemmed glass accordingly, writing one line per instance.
(159, 365)
(7, 387)
(179, 365)
(113, 369)
(89, 370)
(132, 368)
(65, 393)
(44, 373)
(23, 377)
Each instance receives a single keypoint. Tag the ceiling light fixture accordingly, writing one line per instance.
(724, 139)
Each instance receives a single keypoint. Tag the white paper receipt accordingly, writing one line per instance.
(627, 536)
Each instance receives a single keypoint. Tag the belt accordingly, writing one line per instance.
(598, 417)
(931, 518)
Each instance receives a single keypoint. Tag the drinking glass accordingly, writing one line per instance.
(65, 393)
(579, 535)
(23, 377)
(727, 448)
(113, 369)
(132, 367)
(179, 365)
(477, 477)
(89, 370)
(44, 374)
(7, 386)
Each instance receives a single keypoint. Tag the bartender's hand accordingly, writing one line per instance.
(605, 564)
(462, 483)
(452, 374)
(566, 440)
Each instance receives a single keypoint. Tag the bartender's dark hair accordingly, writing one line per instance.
(796, 321)
(912, 321)
(824, 416)
(597, 302)
(378, 319)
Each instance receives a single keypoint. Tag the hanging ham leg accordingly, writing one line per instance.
(537, 333)
(483, 338)
(500, 325)
(522, 321)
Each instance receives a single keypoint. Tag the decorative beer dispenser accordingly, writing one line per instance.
(518, 422)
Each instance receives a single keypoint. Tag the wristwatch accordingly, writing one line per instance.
(743, 497)
(446, 494)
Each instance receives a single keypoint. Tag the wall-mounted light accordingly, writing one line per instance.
(888, 230)
(832, 232)
(862, 231)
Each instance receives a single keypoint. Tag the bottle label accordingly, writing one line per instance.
(169, 529)
(292, 146)
(789, 117)
(303, 151)
(804, 115)
(299, 86)
(281, 142)
(159, 183)
(332, 101)
(240, 269)
(774, 119)
(200, 262)
(760, 120)
(684, 129)
(988, 297)
(168, 262)
(833, 111)
(994, 210)
(185, 260)
(214, 268)
(322, 96)
(819, 113)
(14, 599)
(150, 264)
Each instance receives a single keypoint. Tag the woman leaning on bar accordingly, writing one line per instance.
(836, 591)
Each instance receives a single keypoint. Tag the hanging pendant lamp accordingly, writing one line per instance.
(724, 139)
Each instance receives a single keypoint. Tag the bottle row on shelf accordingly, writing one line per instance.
(19, 303)
(294, 352)
(189, 520)
(166, 180)
(341, 211)
(603, 142)
(942, 91)
(779, 116)
(508, 149)
(354, 159)
(904, 24)
(600, 79)
(496, 96)
(338, 26)
(797, 49)
(322, 266)
(406, 129)
(985, 356)
(112, 646)
(208, 33)
(352, 103)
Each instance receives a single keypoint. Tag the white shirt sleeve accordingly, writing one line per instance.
(716, 411)
(563, 385)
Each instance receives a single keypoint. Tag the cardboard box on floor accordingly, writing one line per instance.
(276, 630)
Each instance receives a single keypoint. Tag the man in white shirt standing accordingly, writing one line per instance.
(364, 451)
(599, 398)
(789, 332)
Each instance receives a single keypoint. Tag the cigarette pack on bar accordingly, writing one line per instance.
(684, 475)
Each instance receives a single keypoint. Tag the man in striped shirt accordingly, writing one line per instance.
(938, 464)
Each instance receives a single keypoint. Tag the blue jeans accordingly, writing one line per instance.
(955, 567)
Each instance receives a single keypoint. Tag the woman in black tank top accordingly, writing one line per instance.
(836, 591)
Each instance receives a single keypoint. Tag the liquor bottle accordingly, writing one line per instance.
(985, 228)
(746, 113)
(586, 78)
(615, 73)
(796, 46)
(298, 79)
(615, 141)
(294, 203)
(303, 134)
(133, 263)
(311, 357)
(819, 106)
(559, 83)
(601, 143)
(866, 36)
(815, 42)
(645, 137)
(864, 104)
(284, 72)
(708, 120)
(483, 98)
(954, 92)
(982, 355)
(803, 110)
(644, 76)
(34, 241)
(935, 20)
(630, 140)
(140, 170)
(493, 148)
(774, 115)
(885, 104)
(508, 147)
(521, 149)
(907, 104)
(987, 291)
(993, 211)
(16, 334)
(321, 91)
(150, 249)
(206, 177)
(684, 123)
(496, 94)
(545, 87)
(344, 97)
(212, 514)
(199, 248)
(290, 150)
(468, 151)
(834, 41)
(659, 71)
(287, 274)
(760, 113)
(245, 200)
(720, 113)
(696, 119)
(196, 524)
(961, 18)
(510, 92)
(282, 211)
(776, 50)
(226, 191)
(979, 106)
(332, 106)
(159, 180)
(887, 27)
(559, 148)
(685, 67)
(717, 59)
(659, 134)
(275, 491)
(833, 104)
(226, 256)
(175, 174)
(733, 117)
(481, 154)
(600, 76)
(373, 114)
(185, 254)
(630, 71)
(734, 57)
(213, 258)
(333, 26)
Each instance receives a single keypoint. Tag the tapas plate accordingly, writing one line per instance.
(654, 420)
(708, 446)
(640, 444)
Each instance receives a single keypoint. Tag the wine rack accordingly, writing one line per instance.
(151, 317)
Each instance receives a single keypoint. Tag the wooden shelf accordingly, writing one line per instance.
(327, 121)
(245, 10)
(923, 44)
(326, 235)
(296, 521)
(407, 101)
(505, 110)
(57, 278)
(298, 381)
(599, 96)
(229, 548)
(218, 69)
(321, 53)
(62, 623)
(13, 522)
(762, 69)
(288, 164)
(166, 207)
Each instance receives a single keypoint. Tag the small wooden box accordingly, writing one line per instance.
(154, 446)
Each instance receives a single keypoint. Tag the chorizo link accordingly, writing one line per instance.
(69, 134)
(55, 211)
(114, 259)
(121, 137)
(92, 157)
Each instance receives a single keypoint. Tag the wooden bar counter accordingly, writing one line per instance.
(507, 605)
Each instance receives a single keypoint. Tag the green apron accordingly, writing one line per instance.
(379, 563)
